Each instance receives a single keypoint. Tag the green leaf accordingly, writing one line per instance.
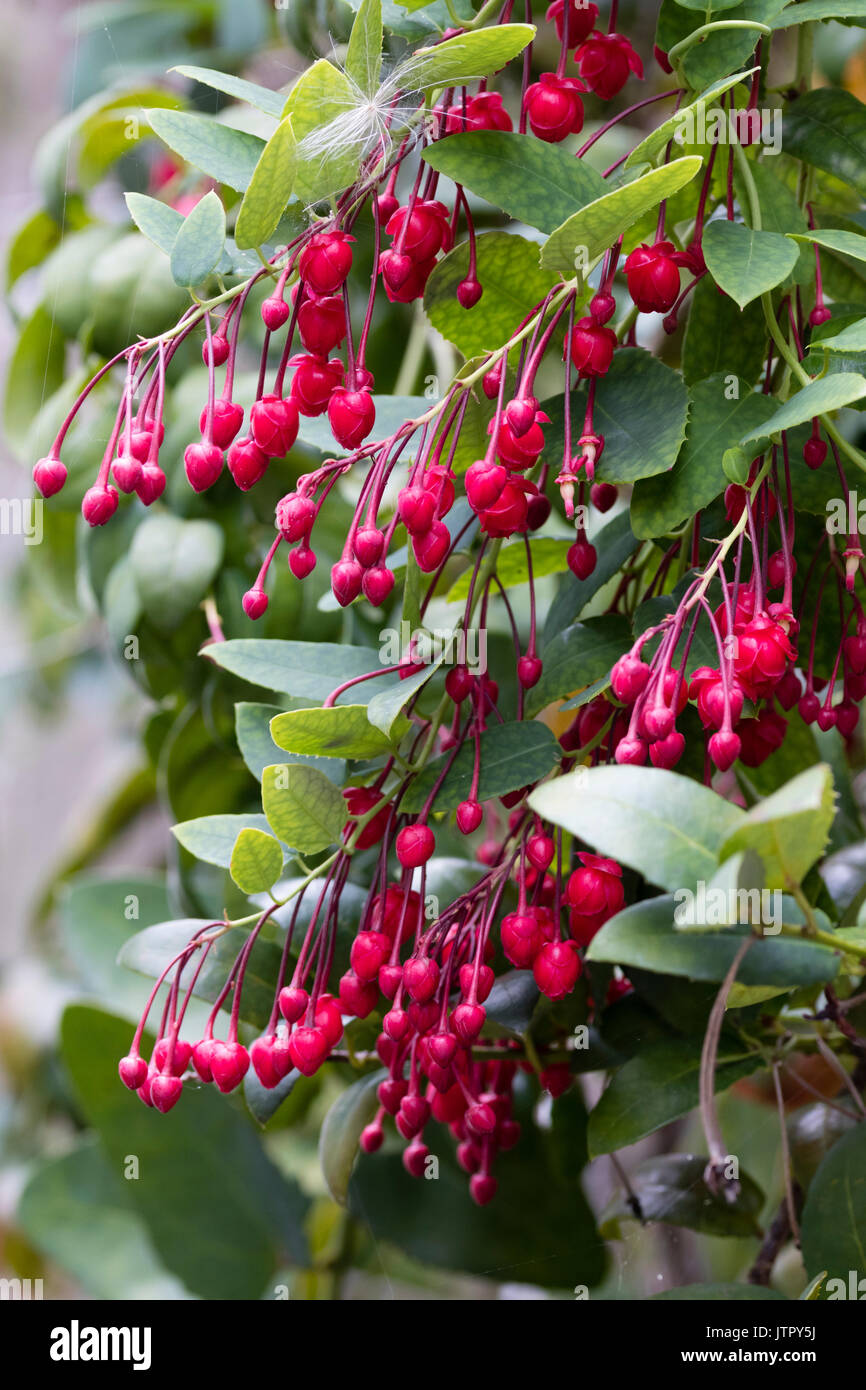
(258, 750)
(364, 54)
(708, 8)
(834, 1217)
(818, 398)
(530, 180)
(321, 95)
(615, 544)
(304, 809)
(77, 1212)
(646, 936)
(577, 657)
(846, 243)
(97, 916)
(670, 1189)
(174, 563)
(744, 263)
(339, 731)
(548, 557)
(581, 240)
(805, 13)
(641, 408)
(827, 128)
(722, 338)
(35, 372)
(715, 424)
(511, 1004)
(199, 242)
(269, 189)
(261, 97)
(720, 1293)
(664, 825)
(851, 339)
(308, 670)
(159, 222)
(513, 281)
(384, 710)
(225, 154)
(660, 1084)
(512, 756)
(256, 862)
(676, 126)
(33, 241)
(780, 212)
(464, 58)
(538, 1229)
(789, 829)
(341, 1131)
(263, 1102)
(718, 53)
(151, 951)
(212, 838)
(220, 1216)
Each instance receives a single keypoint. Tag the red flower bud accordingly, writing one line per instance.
(274, 425)
(275, 311)
(351, 415)
(49, 475)
(592, 347)
(247, 463)
(325, 261)
(554, 108)
(100, 504)
(653, 277)
(605, 61)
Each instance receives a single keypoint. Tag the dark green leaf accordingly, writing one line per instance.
(219, 1214)
(76, 1210)
(512, 756)
(513, 281)
(827, 128)
(583, 653)
(174, 563)
(532, 181)
(716, 423)
(722, 338)
(645, 935)
(660, 1084)
(641, 407)
(834, 1218)
(615, 544)
(671, 1189)
(341, 1131)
